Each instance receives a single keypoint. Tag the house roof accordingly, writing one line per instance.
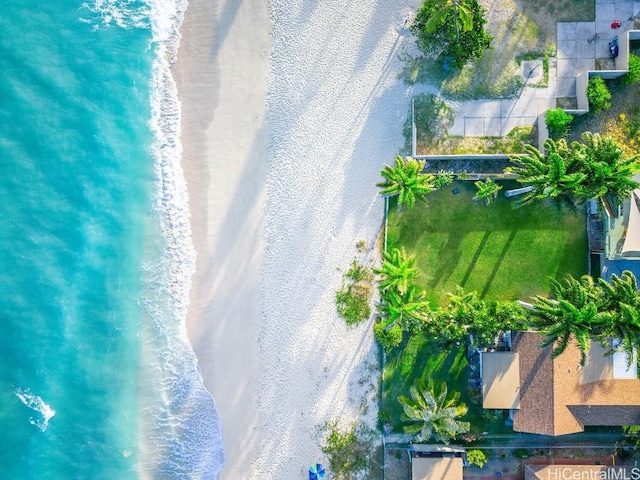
(436, 462)
(545, 472)
(436, 468)
(631, 246)
(556, 393)
(536, 385)
(500, 380)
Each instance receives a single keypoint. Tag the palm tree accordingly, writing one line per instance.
(553, 175)
(406, 181)
(487, 190)
(432, 413)
(406, 309)
(573, 314)
(622, 312)
(460, 10)
(607, 171)
(397, 270)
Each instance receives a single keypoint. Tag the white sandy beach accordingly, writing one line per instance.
(289, 110)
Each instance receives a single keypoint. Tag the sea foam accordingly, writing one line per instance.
(181, 430)
(35, 403)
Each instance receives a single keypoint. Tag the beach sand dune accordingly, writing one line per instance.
(282, 186)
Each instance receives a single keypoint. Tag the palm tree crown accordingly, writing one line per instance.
(553, 175)
(397, 270)
(573, 314)
(406, 181)
(487, 190)
(460, 10)
(607, 171)
(406, 309)
(433, 413)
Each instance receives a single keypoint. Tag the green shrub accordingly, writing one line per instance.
(477, 457)
(634, 71)
(346, 449)
(388, 337)
(558, 122)
(353, 299)
(598, 94)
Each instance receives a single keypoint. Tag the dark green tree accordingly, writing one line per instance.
(451, 30)
(621, 303)
(572, 314)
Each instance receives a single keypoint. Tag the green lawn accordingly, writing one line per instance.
(419, 358)
(501, 252)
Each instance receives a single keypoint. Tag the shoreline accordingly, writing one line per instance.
(222, 75)
(286, 124)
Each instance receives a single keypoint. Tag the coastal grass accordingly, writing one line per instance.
(501, 252)
(512, 143)
(354, 297)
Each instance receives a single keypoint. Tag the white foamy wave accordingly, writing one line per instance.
(184, 439)
(35, 403)
(181, 435)
(118, 13)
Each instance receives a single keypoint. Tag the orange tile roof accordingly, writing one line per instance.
(552, 400)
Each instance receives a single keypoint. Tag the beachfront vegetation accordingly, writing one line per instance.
(354, 297)
(432, 412)
(348, 450)
(575, 172)
(420, 358)
(598, 95)
(452, 31)
(397, 270)
(405, 309)
(406, 181)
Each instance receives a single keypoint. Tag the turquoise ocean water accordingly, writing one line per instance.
(97, 380)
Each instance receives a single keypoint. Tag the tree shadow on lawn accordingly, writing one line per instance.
(486, 248)
(420, 358)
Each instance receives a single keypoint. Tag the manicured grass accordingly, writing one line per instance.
(501, 252)
(420, 358)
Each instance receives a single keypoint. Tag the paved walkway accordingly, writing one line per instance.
(575, 54)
